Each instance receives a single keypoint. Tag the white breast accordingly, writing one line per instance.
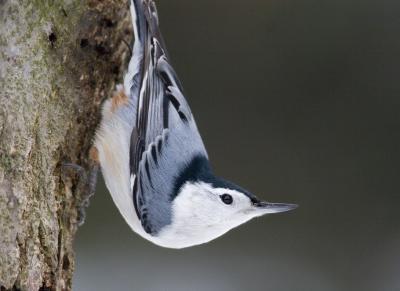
(112, 142)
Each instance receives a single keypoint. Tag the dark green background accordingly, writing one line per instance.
(298, 101)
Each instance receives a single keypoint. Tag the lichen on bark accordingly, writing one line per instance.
(58, 61)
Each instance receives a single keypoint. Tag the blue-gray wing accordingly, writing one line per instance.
(165, 137)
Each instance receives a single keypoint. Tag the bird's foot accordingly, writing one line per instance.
(86, 182)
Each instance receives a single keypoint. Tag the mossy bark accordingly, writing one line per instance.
(58, 61)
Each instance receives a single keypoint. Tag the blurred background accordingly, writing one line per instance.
(298, 101)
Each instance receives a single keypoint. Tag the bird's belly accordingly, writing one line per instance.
(112, 142)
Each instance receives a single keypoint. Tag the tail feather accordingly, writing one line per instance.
(134, 75)
(139, 22)
(147, 37)
(151, 15)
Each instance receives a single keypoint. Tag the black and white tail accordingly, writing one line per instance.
(145, 27)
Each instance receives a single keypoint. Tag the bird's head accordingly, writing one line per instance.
(205, 210)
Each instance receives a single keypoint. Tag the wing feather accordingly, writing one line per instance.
(165, 136)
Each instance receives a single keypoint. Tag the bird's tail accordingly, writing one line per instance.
(134, 74)
(139, 23)
(146, 29)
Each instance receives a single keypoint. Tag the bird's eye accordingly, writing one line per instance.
(226, 198)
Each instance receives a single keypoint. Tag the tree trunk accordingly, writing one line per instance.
(58, 61)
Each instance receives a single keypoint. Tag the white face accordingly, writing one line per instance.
(202, 213)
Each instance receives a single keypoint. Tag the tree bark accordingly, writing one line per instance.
(58, 61)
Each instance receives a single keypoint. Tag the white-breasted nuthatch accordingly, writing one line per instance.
(152, 156)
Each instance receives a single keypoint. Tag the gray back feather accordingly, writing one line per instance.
(165, 137)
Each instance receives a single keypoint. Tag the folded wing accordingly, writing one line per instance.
(165, 137)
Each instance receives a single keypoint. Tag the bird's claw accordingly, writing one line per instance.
(85, 187)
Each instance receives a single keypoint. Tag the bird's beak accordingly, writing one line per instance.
(267, 207)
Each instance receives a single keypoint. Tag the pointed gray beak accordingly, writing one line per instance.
(268, 207)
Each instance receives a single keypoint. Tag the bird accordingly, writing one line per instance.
(153, 159)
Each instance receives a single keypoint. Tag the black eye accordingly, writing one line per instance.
(226, 198)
